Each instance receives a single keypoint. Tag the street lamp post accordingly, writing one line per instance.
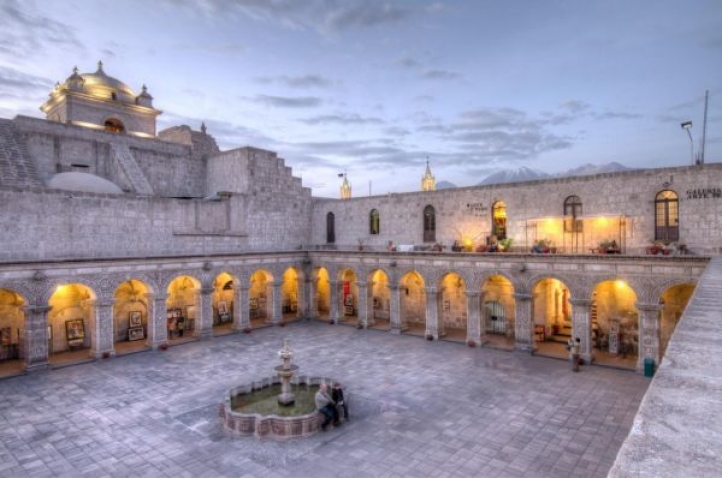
(687, 126)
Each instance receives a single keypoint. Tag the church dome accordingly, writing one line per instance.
(103, 86)
(83, 182)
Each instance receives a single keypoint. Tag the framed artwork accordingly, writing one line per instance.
(5, 336)
(176, 313)
(377, 303)
(135, 319)
(75, 332)
(190, 312)
(253, 303)
(349, 299)
(222, 307)
(136, 333)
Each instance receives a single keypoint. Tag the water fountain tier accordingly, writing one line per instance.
(285, 372)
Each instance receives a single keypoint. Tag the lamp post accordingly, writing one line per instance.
(687, 126)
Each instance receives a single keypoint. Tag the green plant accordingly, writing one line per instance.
(505, 244)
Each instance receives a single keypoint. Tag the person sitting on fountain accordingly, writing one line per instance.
(337, 396)
(326, 406)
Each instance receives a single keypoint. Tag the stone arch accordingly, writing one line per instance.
(451, 306)
(673, 301)
(13, 327)
(225, 301)
(131, 312)
(321, 303)
(182, 304)
(379, 297)
(412, 288)
(72, 316)
(613, 326)
(348, 296)
(292, 292)
(498, 307)
(260, 297)
(551, 309)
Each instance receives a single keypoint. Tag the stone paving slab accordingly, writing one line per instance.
(418, 408)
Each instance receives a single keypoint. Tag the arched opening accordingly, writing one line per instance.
(223, 304)
(12, 332)
(451, 306)
(182, 308)
(330, 228)
(429, 224)
(380, 297)
(290, 295)
(674, 300)
(130, 317)
(260, 297)
(552, 317)
(71, 322)
(413, 304)
(498, 220)
(573, 224)
(323, 294)
(349, 296)
(374, 222)
(666, 216)
(498, 311)
(615, 324)
(113, 125)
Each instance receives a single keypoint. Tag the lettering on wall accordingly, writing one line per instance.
(708, 193)
(476, 208)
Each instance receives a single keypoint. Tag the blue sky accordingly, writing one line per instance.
(373, 88)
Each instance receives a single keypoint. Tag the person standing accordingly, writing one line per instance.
(325, 406)
(574, 346)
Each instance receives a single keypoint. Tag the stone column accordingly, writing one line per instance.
(101, 318)
(36, 337)
(276, 302)
(395, 308)
(482, 320)
(241, 312)
(335, 299)
(523, 330)
(362, 314)
(204, 313)
(312, 287)
(432, 313)
(370, 319)
(157, 321)
(582, 328)
(301, 308)
(473, 317)
(648, 334)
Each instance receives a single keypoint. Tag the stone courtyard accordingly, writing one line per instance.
(418, 408)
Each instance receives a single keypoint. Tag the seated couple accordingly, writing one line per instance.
(328, 405)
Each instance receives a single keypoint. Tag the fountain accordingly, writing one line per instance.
(259, 409)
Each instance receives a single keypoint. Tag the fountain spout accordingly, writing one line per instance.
(285, 372)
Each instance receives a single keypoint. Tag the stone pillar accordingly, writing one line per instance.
(473, 317)
(301, 308)
(312, 287)
(370, 319)
(101, 318)
(523, 330)
(362, 314)
(204, 313)
(582, 327)
(482, 320)
(36, 337)
(276, 302)
(648, 334)
(432, 313)
(157, 321)
(241, 312)
(395, 308)
(335, 299)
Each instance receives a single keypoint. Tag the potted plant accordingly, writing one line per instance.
(360, 241)
(542, 246)
(505, 244)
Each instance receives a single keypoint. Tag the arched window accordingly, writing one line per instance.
(330, 228)
(498, 219)
(429, 224)
(374, 222)
(666, 216)
(572, 213)
(113, 125)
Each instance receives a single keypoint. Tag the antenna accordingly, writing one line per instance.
(704, 127)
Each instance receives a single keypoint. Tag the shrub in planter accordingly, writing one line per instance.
(106, 355)
(247, 330)
(282, 324)
(429, 337)
(163, 347)
(471, 343)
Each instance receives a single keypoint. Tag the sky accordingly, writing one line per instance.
(374, 88)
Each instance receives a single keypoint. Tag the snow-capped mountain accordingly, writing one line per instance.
(589, 169)
(445, 185)
(514, 176)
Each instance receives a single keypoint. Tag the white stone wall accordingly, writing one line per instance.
(466, 212)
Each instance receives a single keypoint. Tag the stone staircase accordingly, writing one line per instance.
(563, 335)
(128, 164)
(16, 165)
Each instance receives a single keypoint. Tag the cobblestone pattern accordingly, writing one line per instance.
(418, 408)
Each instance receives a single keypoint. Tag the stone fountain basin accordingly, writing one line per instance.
(271, 426)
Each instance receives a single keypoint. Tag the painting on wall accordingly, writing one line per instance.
(135, 333)
(135, 318)
(75, 332)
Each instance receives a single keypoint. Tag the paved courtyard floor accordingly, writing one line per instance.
(418, 408)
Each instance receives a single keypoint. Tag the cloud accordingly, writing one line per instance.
(408, 63)
(575, 106)
(18, 85)
(616, 115)
(343, 119)
(440, 75)
(397, 131)
(305, 81)
(289, 102)
(23, 32)
(324, 16)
